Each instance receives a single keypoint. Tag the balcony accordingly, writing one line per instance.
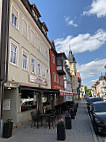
(60, 63)
(61, 70)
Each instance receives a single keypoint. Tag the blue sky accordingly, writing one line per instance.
(80, 24)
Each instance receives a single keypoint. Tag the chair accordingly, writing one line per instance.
(35, 119)
(51, 119)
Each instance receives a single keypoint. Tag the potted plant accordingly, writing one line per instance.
(61, 135)
(7, 128)
(68, 121)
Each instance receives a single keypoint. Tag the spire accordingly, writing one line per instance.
(71, 57)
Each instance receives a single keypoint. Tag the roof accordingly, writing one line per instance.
(38, 22)
(71, 57)
(36, 10)
(62, 53)
(78, 74)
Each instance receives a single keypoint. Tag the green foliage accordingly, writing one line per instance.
(87, 91)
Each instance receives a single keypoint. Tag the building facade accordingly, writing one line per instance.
(29, 79)
(101, 86)
(79, 84)
(73, 71)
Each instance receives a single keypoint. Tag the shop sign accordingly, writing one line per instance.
(37, 80)
(66, 93)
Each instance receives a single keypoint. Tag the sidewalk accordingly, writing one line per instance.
(80, 132)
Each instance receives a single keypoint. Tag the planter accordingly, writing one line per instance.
(72, 113)
(68, 123)
(7, 129)
(61, 135)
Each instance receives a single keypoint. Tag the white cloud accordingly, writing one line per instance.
(70, 22)
(92, 69)
(97, 7)
(67, 18)
(82, 42)
(93, 81)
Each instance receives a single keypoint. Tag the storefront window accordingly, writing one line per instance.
(28, 101)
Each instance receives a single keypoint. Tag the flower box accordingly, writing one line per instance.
(61, 135)
(68, 122)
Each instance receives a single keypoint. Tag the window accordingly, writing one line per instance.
(33, 66)
(13, 54)
(57, 79)
(24, 28)
(14, 17)
(25, 60)
(46, 54)
(38, 69)
(53, 61)
(54, 77)
(43, 71)
(32, 38)
(38, 43)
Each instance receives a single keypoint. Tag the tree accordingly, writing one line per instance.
(87, 91)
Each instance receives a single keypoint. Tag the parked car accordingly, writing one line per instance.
(91, 100)
(28, 105)
(98, 116)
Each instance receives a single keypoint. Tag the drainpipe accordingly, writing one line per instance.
(4, 38)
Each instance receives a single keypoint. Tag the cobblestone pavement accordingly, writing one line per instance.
(80, 132)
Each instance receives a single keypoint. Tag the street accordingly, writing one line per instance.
(81, 131)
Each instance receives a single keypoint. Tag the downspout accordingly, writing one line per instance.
(4, 38)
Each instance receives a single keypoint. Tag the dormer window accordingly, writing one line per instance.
(34, 15)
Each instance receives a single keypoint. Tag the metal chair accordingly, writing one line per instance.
(35, 119)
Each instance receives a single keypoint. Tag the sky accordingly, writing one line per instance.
(79, 25)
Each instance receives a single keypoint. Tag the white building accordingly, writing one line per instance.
(28, 62)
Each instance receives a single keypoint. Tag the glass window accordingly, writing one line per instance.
(53, 61)
(14, 17)
(32, 66)
(24, 28)
(13, 54)
(38, 69)
(57, 79)
(54, 77)
(32, 38)
(25, 60)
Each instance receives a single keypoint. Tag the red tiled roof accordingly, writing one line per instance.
(78, 75)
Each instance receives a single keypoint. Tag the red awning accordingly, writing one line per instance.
(66, 93)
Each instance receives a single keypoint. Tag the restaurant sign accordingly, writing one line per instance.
(66, 93)
(37, 80)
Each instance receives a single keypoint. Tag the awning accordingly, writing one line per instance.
(66, 93)
(37, 89)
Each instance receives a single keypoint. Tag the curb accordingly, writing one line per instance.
(92, 131)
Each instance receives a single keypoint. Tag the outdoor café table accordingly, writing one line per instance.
(43, 116)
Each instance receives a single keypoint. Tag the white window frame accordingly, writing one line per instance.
(43, 71)
(46, 54)
(34, 37)
(39, 73)
(57, 78)
(17, 27)
(24, 20)
(53, 59)
(14, 43)
(54, 76)
(26, 53)
(33, 58)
